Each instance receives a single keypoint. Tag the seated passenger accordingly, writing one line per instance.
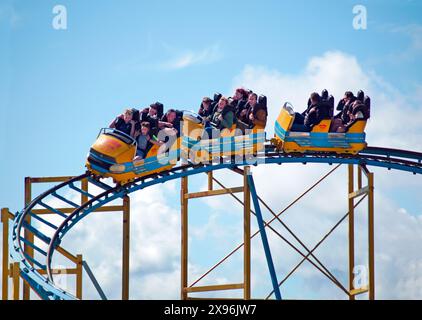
(343, 117)
(243, 116)
(214, 103)
(124, 123)
(222, 118)
(254, 113)
(150, 115)
(205, 110)
(304, 122)
(346, 101)
(144, 141)
(357, 110)
(239, 100)
(170, 121)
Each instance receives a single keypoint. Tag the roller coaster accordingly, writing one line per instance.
(267, 153)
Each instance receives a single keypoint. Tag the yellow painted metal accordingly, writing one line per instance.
(213, 193)
(49, 179)
(114, 148)
(371, 258)
(67, 271)
(285, 120)
(15, 273)
(184, 238)
(28, 235)
(195, 131)
(84, 187)
(323, 126)
(358, 291)
(126, 248)
(210, 182)
(351, 231)
(5, 253)
(358, 193)
(215, 287)
(79, 277)
(246, 235)
(369, 191)
(199, 298)
(127, 154)
(70, 210)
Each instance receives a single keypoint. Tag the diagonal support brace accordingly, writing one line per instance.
(264, 237)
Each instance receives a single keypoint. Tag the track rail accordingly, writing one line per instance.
(402, 160)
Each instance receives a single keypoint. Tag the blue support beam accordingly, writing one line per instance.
(264, 237)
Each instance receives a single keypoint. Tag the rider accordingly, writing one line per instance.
(144, 141)
(304, 122)
(124, 123)
(205, 110)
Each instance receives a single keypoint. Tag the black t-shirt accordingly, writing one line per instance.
(121, 125)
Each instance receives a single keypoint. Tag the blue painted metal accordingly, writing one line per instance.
(32, 245)
(371, 156)
(55, 194)
(264, 238)
(37, 233)
(52, 209)
(32, 260)
(320, 139)
(72, 186)
(94, 280)
(99, 184)
(37, 217)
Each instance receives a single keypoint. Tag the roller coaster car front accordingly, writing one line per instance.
(110, 152)
(320, 139)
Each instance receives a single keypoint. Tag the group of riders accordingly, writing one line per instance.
(351, 108)
(244, 110)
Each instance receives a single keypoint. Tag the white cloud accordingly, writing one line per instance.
(190, 58)
(414, 33)
(395, 122)
(395, 118)
(155, 219)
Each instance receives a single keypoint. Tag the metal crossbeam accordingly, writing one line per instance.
(264, 238)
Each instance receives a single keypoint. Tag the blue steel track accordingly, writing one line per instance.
(407, 161)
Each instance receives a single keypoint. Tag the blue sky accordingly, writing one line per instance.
(59, 87)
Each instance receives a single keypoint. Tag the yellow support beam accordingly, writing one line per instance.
(358, 193)
(72, 271)
(78, 270)
(70, 210)
(371, 258)
(351, 231)
(29, 236)
(50, 179)
(5, 252)
(184, 238)
(358, 291)
(246, 235)
(210, 181)
(15, 274)
(210, 193)
(219, 287)
(125, 250)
